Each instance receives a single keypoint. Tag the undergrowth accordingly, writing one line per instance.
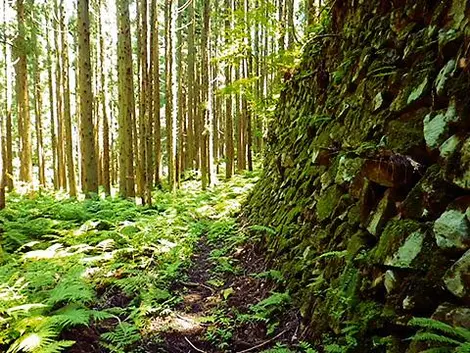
(61, 258)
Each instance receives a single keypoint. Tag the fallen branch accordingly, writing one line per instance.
(263, 343)
(194, 347)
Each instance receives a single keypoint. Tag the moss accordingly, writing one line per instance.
(392, 238)
(405, 134)
(357, 242)
(327, 202)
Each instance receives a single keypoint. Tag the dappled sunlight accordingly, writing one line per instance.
(180, 322)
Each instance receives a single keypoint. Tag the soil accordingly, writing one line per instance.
(183, 332)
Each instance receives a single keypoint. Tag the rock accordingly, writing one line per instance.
(384, 211)
(390, 281)
(348, 168)
(457, 278)
(452, 230)
(462, 175)
(392, 170)
(419, 91)
(456, 316)
(444, 76)
(430, 196)
(392, 239)
(437, 127)
(449, 146)
(408, 303)
(408, 252)
(327, 202)
(378, 101)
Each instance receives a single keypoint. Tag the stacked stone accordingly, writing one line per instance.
(367, 174)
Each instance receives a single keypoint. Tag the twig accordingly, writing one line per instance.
(194, 347)
(263, 343)
(193, 284)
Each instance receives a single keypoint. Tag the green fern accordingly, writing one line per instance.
(121, 338)
(260, 228)
(71, 293)
(444, 337)
(71, 315)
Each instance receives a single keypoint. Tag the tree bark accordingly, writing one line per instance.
(88, 152)
(126, 102)
(72, 183)
(24, 120)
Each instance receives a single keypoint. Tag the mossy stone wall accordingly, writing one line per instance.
(367, 155)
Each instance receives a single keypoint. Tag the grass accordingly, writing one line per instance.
(60, 257)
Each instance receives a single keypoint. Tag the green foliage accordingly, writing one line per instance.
(441, 336)
(57, 251)
(119, 340)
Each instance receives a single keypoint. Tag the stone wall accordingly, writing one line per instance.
(367, 173)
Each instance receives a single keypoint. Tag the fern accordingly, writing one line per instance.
(434, 338)
(71, 292)
(34, 341)
(259, 228)
(56, 347)
(122, 337)
(447, 338)
(72, 316)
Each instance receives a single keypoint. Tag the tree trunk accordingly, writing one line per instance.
(229, 157)
(8, 167)
(156, 92)
(106, 165)
(87, 134)
(38, 121)
(126, 102)
(24, 121)
(72, 183)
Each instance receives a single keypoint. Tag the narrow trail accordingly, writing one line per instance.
(206, 310)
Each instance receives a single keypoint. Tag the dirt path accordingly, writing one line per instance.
(188, 329)
(228, 302)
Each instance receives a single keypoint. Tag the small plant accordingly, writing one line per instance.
(123, 337)
(443, 337)
(267, 309)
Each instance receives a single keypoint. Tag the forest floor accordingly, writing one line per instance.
(106, 275)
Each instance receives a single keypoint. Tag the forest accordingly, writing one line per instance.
(276, 176)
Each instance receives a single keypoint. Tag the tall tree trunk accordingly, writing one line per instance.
(24, 121)
(205, 155)
(88, 152)
(50, 84)
(180, 98)
(290, 24)
(72, 183)
(106, 165)
(171, 110)
(8, 153)
(191, 138)
(38, 121)
(61, 161)
(156, 91)
(229, 153)
(126, 102)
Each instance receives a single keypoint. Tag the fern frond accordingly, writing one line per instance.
(464, 348)
(101, 315)
(33, 341)
(57, 347)
(71, 316)
(71, 293)
(124, 335)
(463, 333)
(259, 228)
(438, 350)
(431, 324)
(435, 338)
